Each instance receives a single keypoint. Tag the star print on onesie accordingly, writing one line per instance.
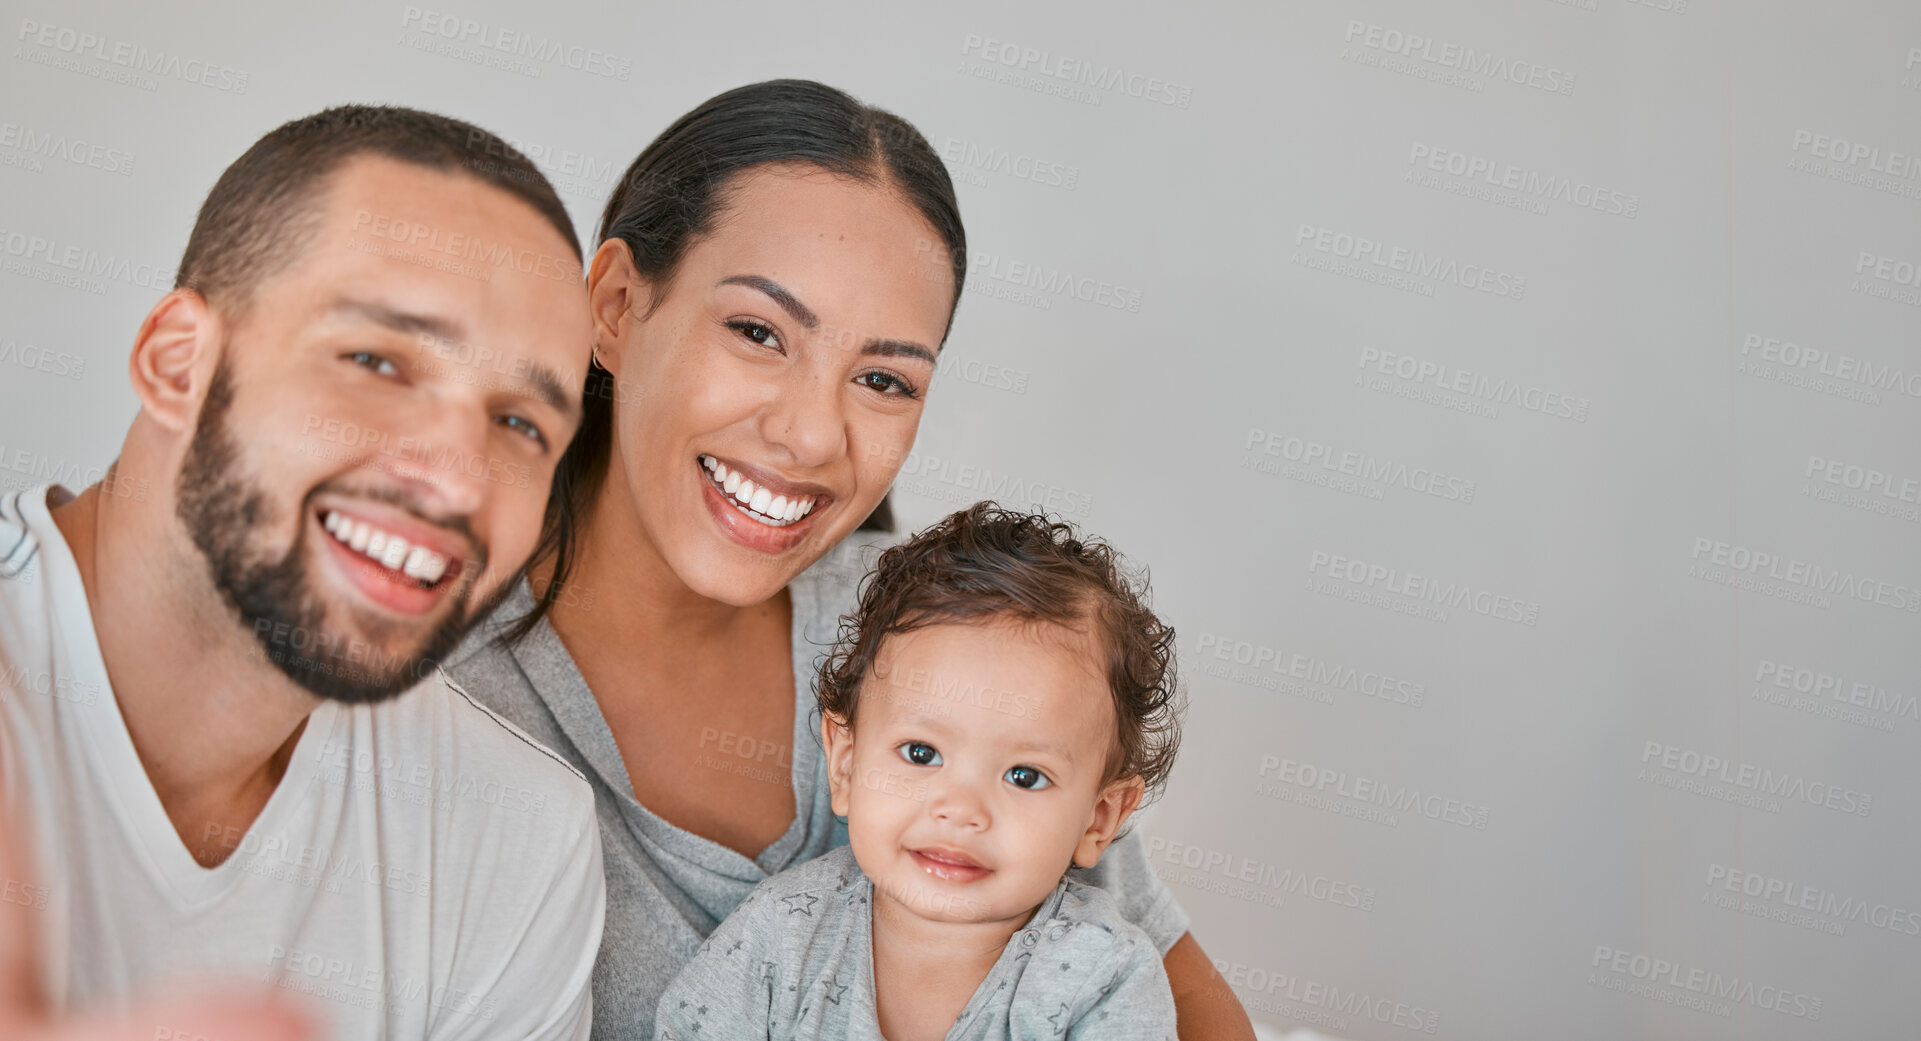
(794, 962)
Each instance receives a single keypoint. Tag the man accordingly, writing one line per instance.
(350, 410)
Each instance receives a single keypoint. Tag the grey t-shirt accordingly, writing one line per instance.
(668, 888)
(795, 962)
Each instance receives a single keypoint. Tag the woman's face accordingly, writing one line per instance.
(764, 407)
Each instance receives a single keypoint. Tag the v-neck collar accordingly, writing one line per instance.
(572, 704)
(135, 802)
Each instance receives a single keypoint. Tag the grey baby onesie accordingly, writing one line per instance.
(794, 963)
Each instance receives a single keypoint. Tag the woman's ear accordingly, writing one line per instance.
(616, 293)
(174, 356)
(838, 739)
(1116, 803)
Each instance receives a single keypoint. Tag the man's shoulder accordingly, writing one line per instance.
(21, 557)
(27, 605)
(17, 544)
(515, 742)
(476, 763)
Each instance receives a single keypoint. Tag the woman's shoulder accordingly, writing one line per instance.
(830, 587)
(487, 667)
(849, 561)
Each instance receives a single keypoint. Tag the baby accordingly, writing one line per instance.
(997, 706)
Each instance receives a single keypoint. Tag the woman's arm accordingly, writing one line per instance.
(1204, 1005)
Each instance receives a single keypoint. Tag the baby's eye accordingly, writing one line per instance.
(920, 754)
(1027, 777)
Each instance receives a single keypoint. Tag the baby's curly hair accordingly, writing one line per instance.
(986, 562)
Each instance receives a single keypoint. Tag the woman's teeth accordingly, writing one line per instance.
(392, 552)
(764, 506)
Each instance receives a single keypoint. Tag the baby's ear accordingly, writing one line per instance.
(838, 741)
(1116, 803)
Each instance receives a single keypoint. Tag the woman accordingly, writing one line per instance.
(776, 274)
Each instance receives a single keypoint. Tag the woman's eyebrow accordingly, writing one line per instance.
(898, 349)
(779, 294)
(811, 321)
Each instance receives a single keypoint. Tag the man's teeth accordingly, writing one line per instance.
(757, 502)
(392, 552)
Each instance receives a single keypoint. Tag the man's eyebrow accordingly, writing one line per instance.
(808, 319)
(396, 319)
(548, 388)
(779, 294)
(546, 383)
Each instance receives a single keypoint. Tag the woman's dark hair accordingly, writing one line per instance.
(674, 193)
(987, 563)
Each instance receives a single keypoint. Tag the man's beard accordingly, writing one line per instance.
(273, 599)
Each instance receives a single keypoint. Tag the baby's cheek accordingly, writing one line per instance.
(1051, 837)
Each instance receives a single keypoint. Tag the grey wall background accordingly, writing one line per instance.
(1519, 405)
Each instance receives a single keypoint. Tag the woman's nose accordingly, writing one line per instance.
(806, 417)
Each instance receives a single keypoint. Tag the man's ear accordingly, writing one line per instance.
(1117, 802)
(617, 293)
(838, 740)
(174, 356)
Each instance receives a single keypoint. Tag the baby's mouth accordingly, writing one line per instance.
(948, 863)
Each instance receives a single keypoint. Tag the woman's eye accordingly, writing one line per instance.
(757, 332)
(1027, 777)
(887, 383)
(369, 359)
(920, 754)
(524, 428)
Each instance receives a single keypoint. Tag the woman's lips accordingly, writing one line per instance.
(950, 865)
(745, 530)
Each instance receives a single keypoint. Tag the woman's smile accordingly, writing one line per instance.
(770, 500)
(762, 511)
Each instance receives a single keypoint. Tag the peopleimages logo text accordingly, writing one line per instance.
(1529, 182)
(1363, 250)
(1707, 984)
(1037, 62)
(1421, 587)
(1446, 55)
(1710, 767)
(1764, 564)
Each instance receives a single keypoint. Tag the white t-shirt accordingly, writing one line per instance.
(423, 870)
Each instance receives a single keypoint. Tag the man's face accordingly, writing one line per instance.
(371, 462)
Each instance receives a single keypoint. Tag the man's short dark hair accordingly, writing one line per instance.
(266, 207)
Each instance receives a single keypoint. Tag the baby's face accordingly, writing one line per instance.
(974, 771)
